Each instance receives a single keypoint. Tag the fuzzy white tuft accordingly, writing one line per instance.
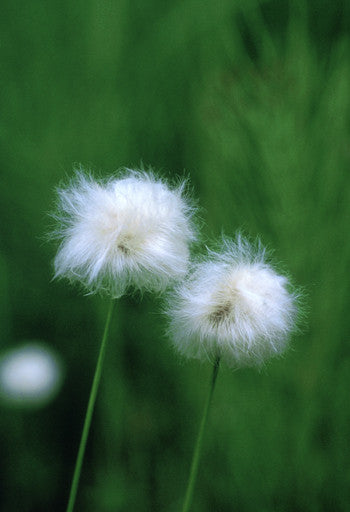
(233, 306)
(132, 230)
(29, 375)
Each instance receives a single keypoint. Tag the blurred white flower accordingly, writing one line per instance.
(133, 230)
(233, 306)
(30, 375)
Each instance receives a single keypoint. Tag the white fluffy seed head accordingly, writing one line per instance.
(234, 306)
(131, 230)
(30, 375)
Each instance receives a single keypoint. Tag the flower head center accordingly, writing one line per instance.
(123, 247)
(127, 244)
(220, 313)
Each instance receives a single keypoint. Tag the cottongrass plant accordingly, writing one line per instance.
(31, 375)
(233, 308)
(129, 231)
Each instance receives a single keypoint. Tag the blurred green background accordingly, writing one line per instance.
(251, 100)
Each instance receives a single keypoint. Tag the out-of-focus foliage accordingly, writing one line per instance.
(251, 101)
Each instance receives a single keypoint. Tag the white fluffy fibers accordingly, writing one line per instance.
(128, 230)
(233, 306)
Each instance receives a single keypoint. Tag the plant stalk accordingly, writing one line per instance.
(89, 411)
(199, 442)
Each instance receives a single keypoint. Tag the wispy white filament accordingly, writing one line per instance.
(234, 306)
(29, 375)
(132, 230)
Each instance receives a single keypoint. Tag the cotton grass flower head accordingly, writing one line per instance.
(129, 230)
(30, 375)
(234, 306)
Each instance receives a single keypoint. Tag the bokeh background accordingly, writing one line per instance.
(251, 100)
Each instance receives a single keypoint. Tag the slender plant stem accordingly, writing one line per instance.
(89, 411)
(199, 442)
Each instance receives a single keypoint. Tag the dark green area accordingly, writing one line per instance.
(251, 100)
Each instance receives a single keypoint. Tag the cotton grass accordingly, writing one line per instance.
(129, 230)
(233, 306)
(30, 375)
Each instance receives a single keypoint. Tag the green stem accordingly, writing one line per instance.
(89, 412)
(199, 442)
